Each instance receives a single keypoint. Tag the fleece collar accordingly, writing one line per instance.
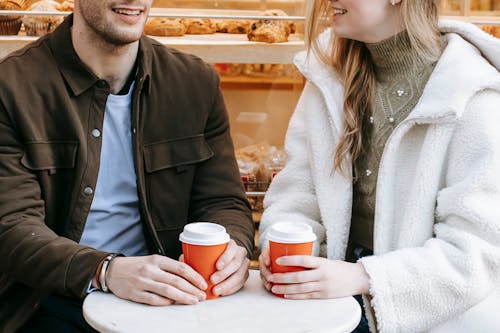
(469, 64)
(487, 44)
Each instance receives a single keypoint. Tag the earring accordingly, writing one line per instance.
(393, 2)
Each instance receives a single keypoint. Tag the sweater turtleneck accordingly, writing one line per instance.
(395, 58)
(401, 74)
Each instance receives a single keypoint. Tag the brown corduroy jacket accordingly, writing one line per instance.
(49, 105)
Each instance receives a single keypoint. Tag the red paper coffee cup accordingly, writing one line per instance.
(289, 239)
(202, 245)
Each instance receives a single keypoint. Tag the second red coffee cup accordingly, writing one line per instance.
(289, 239)
(202, 245)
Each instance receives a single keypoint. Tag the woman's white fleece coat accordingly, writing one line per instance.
(437, 219)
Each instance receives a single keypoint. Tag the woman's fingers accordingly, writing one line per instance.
(265, 272)
(302, 261)
(296, 289)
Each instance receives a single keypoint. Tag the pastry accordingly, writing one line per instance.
(279, 12)
(480, 5)
(36, 25)
(66, 6)
(199, 26)
(22, 3)
(9, 24)
(233, 26)
(493, 30)
(158, 26)
(268, 31)
(271, 31)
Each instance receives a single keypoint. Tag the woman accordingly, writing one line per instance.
(394, 149)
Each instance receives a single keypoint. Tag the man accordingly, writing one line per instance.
(109, 144)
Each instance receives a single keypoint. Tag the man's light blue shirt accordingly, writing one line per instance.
(114, 221)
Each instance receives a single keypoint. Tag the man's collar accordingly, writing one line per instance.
(78, 76)
(145, 63)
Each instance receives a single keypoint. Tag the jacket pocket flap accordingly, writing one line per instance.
(176, 152)
(49, 155)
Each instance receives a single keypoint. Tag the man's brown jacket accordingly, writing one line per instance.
(50, 103)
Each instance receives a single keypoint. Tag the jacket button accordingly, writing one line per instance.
(96, 133)
(88, 190)
(101, 84)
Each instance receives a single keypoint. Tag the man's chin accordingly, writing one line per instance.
(123, 39)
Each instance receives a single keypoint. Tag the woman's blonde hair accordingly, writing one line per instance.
(352, 61)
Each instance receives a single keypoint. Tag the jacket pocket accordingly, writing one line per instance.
(176, 153)
(50, 156)
(170, 173)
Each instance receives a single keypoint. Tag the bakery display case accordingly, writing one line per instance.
(470, 9)
(260, 84)
(260, 95)
(484, 13)
(215, 47)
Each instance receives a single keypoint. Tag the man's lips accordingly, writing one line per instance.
(128, 11)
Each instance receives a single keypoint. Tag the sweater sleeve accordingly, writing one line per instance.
(291, 196)
(415, 289)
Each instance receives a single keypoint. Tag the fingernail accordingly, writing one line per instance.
(194, 300)
(216, 291)
(202, 296)
(215, 278)
(274, 289)
(220, 265)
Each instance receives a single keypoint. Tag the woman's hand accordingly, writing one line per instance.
(323, 278)
(265, 268)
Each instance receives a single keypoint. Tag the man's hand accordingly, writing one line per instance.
(232, 270)
(155, 280)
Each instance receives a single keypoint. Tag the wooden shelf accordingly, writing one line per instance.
(213, 48)
(220, 47)
(261, 82)
(494, 19)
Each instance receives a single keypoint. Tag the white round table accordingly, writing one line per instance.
(252, 309)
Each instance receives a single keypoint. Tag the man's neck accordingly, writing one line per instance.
(112, 63)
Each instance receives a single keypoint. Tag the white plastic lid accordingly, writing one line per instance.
(204, 233)
(291, 232)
